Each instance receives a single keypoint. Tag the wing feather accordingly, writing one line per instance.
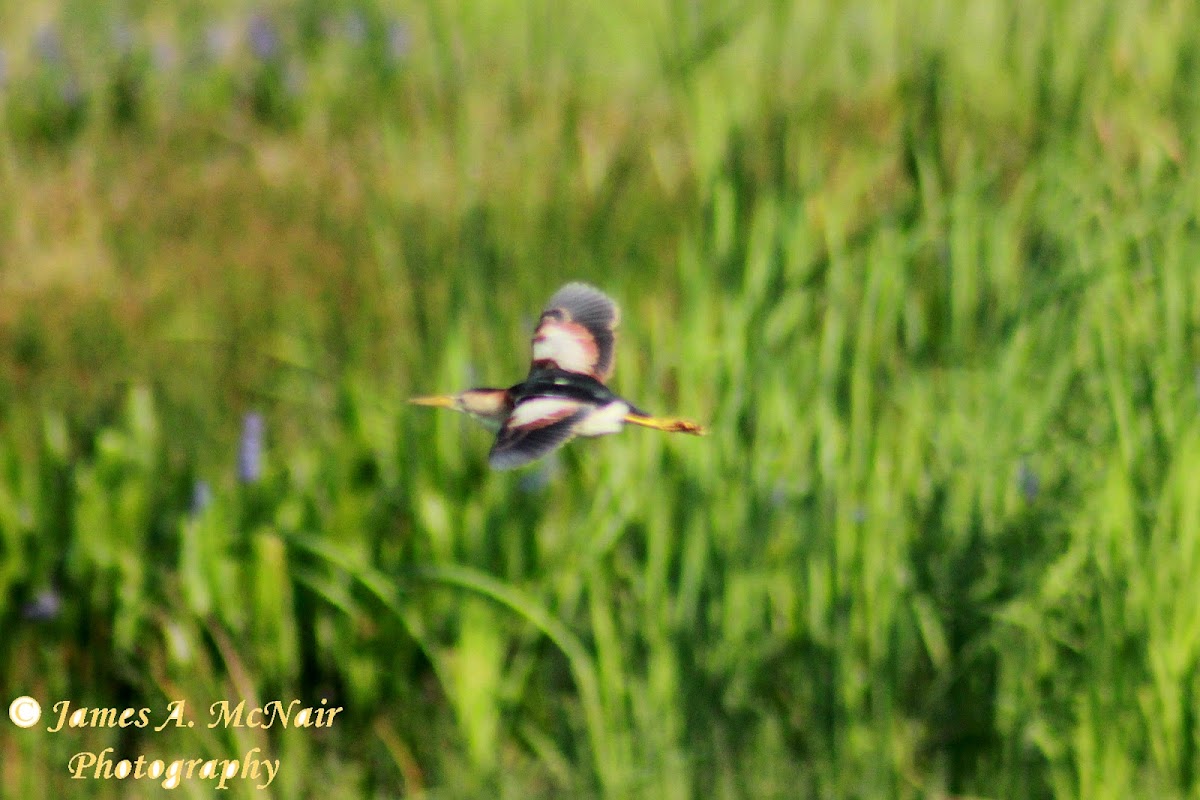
(534, 428)
(577, 332)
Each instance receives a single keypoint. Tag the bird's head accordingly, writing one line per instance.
(489, 406)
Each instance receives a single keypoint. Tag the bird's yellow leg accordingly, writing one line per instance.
(669, 424)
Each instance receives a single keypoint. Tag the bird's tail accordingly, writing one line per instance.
(669, 424)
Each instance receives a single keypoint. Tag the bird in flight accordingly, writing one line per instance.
(564, 395)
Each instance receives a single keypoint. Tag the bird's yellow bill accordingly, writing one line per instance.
(437, 401)
(666, 424)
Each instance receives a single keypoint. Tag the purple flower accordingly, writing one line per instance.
(1028, 482)
(264, 39)
(218, 42)
(47, 43)
(45, 606)
(201, 497)
(355, 28)
(164, 56)
(250, 448)
(71, 92)
(399, 40)
(122, 37)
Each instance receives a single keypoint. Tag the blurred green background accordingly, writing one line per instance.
(928, 270)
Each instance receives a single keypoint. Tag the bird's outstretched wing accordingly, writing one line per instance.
(576, 332)
(534, 428)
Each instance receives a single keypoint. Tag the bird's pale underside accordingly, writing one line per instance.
(565, 394)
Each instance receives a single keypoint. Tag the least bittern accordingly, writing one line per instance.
(564, 395)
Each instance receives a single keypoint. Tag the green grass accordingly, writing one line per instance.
(927, 272)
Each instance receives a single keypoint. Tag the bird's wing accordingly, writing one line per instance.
(577, 332)
(534, 428)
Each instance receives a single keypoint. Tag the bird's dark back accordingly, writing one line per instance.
(560, 383)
